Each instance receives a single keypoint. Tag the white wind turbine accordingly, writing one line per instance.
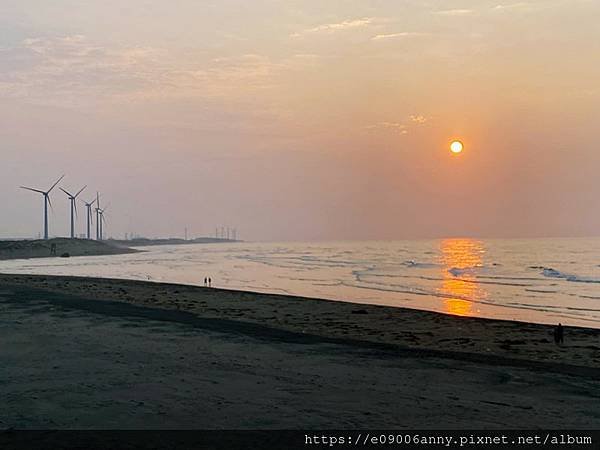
(72, 199)
(89, 215)
(47, 202)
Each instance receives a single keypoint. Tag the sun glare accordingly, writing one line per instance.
(456, 147)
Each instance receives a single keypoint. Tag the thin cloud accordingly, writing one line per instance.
(512, 6)
(71, 70)
(68, 69)
(418, 119)
(397, 127)
(339, 26)
(455, 12)
(381, 37)
(414, 120)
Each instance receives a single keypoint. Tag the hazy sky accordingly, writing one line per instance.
(302, 120)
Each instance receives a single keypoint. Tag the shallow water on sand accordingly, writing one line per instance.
(534, 280)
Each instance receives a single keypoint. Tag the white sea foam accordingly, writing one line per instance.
(552, 273)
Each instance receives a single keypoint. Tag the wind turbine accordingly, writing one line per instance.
(101, 220)
(47, 202)
(72, 199)
(98, 234)
(88, 205)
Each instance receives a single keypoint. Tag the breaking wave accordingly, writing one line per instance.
(549, 272)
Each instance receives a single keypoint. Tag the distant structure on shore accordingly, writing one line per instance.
(100, 220)
(47, 202)
(139, 241)
(89, 216)
(98, 234)
(73, 204)
(226, 233)
(222, 233)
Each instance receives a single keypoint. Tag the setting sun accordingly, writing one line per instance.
(456, 147)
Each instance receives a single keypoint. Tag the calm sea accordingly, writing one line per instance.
(535, 280)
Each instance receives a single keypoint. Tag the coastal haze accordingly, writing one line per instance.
(303, 120)
(309, 214)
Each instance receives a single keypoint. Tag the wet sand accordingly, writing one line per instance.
(95, 353)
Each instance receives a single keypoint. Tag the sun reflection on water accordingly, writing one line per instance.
(460, 258)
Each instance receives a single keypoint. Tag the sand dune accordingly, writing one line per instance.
(63, 247)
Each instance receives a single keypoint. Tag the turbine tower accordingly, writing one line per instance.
(72, 199)
(98, 234)
(89, 214)
(101, 220)
(47, 202)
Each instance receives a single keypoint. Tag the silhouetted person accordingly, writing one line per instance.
(205, 281)
(209, 281)
(559, 334)
(53, 249)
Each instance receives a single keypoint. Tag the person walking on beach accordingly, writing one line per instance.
(559, 334)
(209, 282)
(205, 281)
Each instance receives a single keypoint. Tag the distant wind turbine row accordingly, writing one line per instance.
(73, 204)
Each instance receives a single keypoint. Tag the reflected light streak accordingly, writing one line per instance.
(460, 259)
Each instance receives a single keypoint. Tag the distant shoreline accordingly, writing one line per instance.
(144, 242)
(67, 247)
(489, 341)
(59, 247)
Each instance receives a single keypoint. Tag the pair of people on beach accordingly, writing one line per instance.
(207, 281)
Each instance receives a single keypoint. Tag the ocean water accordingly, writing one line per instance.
(533, 280)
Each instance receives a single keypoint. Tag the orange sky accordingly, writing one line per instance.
(301, 120)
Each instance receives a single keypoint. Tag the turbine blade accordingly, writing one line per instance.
(80, 191)
(54, 185)
(49, 202)
(66, 192)
(75, 205)
(32, 189)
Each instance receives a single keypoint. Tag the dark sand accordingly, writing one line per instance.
(92, 353)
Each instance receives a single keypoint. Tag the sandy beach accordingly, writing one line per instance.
(99, 353)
